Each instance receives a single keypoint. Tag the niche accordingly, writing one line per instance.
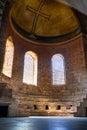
(35, 107)
(58, 107)
(3, 110)
(46, 107)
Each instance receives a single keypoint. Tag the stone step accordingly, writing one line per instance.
(50, 99)
(51, 114)
(37, 100)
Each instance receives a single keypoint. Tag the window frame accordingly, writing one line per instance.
(64, 71)
(34, 57)
(9, 44)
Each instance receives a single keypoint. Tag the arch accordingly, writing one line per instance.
(8, 58)
(30, 68)
(58, 70)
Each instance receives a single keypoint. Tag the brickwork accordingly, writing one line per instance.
(26, 96)
(3, 33)
(73, 52)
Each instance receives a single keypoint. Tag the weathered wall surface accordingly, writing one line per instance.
(73, 52)
(26, 96)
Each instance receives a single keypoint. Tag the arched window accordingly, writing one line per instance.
(8, 58)
(30, 68)
(58, 70)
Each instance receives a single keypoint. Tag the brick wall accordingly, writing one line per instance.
(73, 52)
(75, 64)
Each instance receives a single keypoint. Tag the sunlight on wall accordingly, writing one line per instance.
(58, 70)
(30, 68)
(8, 58)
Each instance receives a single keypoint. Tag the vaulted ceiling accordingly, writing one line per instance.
(44, 19)
(65, 17)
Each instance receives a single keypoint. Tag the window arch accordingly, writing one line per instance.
(58, 70)
(8, 58)
(30, 68)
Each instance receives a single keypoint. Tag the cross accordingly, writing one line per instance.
(37, 13)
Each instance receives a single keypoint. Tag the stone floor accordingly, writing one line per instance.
(46, 123)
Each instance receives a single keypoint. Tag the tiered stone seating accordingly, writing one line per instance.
(63, 104)
(45, 105)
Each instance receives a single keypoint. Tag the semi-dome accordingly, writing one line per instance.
(43, 20)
